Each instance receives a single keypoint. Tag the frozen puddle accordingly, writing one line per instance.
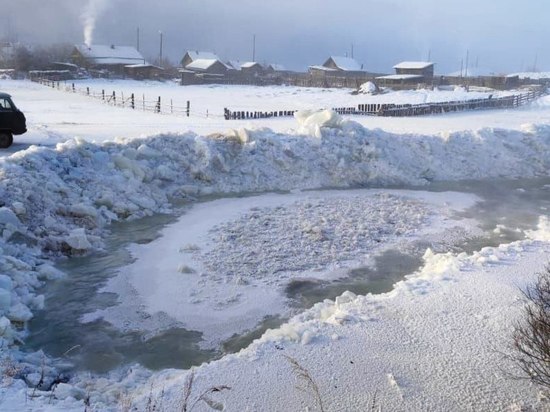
(224, 266)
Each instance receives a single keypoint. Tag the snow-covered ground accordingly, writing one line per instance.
(433, 343)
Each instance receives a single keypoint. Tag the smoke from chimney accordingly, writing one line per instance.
(92, 11)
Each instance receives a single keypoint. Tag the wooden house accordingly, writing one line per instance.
(408, 75)
(112, 58)
(424, 69)
(252, 69)
(337, 66)
(192, 55)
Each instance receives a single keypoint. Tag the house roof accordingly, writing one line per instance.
(277, 67)
(248, 65)
(143, 66)
(201, 55)
(323, 68)
(110, 55)
(204, 64)
(346, 63)
(413, 65)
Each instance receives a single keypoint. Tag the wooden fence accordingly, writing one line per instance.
(130, 101)
(402, 110)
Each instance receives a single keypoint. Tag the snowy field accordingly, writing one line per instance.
(434, 342)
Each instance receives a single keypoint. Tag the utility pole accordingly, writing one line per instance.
(352, 50)
(536, 61)
(160, 54)
(253, 47)
(138, 39)
(429, 55)
(467, 56)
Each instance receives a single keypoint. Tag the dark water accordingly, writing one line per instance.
(99, 347)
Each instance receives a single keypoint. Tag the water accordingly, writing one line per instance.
(98, 347)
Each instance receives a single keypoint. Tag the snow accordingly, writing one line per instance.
(102, 54)
(532, 75)
(202, 55)
(368, 88)
(218, 277)
(201, 64)
(429, 344)
(413, 65)
(346, 63)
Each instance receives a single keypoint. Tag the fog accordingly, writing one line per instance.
(499, 35)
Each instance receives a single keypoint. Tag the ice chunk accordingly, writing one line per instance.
(78, 240)
(311, 121)
(7, 216)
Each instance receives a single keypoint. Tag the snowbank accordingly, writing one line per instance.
(60, 200)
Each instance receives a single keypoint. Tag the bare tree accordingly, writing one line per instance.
(532, 333)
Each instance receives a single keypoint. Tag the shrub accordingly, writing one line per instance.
(532, 334)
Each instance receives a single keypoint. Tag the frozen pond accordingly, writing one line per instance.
(358, 240)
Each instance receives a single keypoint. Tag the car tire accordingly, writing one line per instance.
(6, 139)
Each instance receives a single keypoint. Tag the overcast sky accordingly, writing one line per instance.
(499, 35)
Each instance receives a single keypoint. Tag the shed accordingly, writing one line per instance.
(143, 71)
(418, 68)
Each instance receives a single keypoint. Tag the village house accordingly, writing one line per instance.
(337, 65)
(113, 58)
(191, 55)
(252, 69)
(409, 74)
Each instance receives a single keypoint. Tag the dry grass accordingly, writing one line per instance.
(306, 383)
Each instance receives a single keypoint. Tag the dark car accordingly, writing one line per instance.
(12, 121)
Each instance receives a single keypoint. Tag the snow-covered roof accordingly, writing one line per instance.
(531, 75)
(322, 68)
(110, 55)
(201, 55)
(346, 63)
(401, 77)
(201, 64)
(248, 65)
(413, 65)
(277, 67)
(204, 64)
(143, 66)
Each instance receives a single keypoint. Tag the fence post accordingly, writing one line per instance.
(114, 98)
(188, 108)
(158, 105)
(88, 91)
(73, 88)
(132, 101)
(103, 94)
(171, 106)
(122, 99)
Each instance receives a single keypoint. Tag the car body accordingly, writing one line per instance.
(12, 121)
